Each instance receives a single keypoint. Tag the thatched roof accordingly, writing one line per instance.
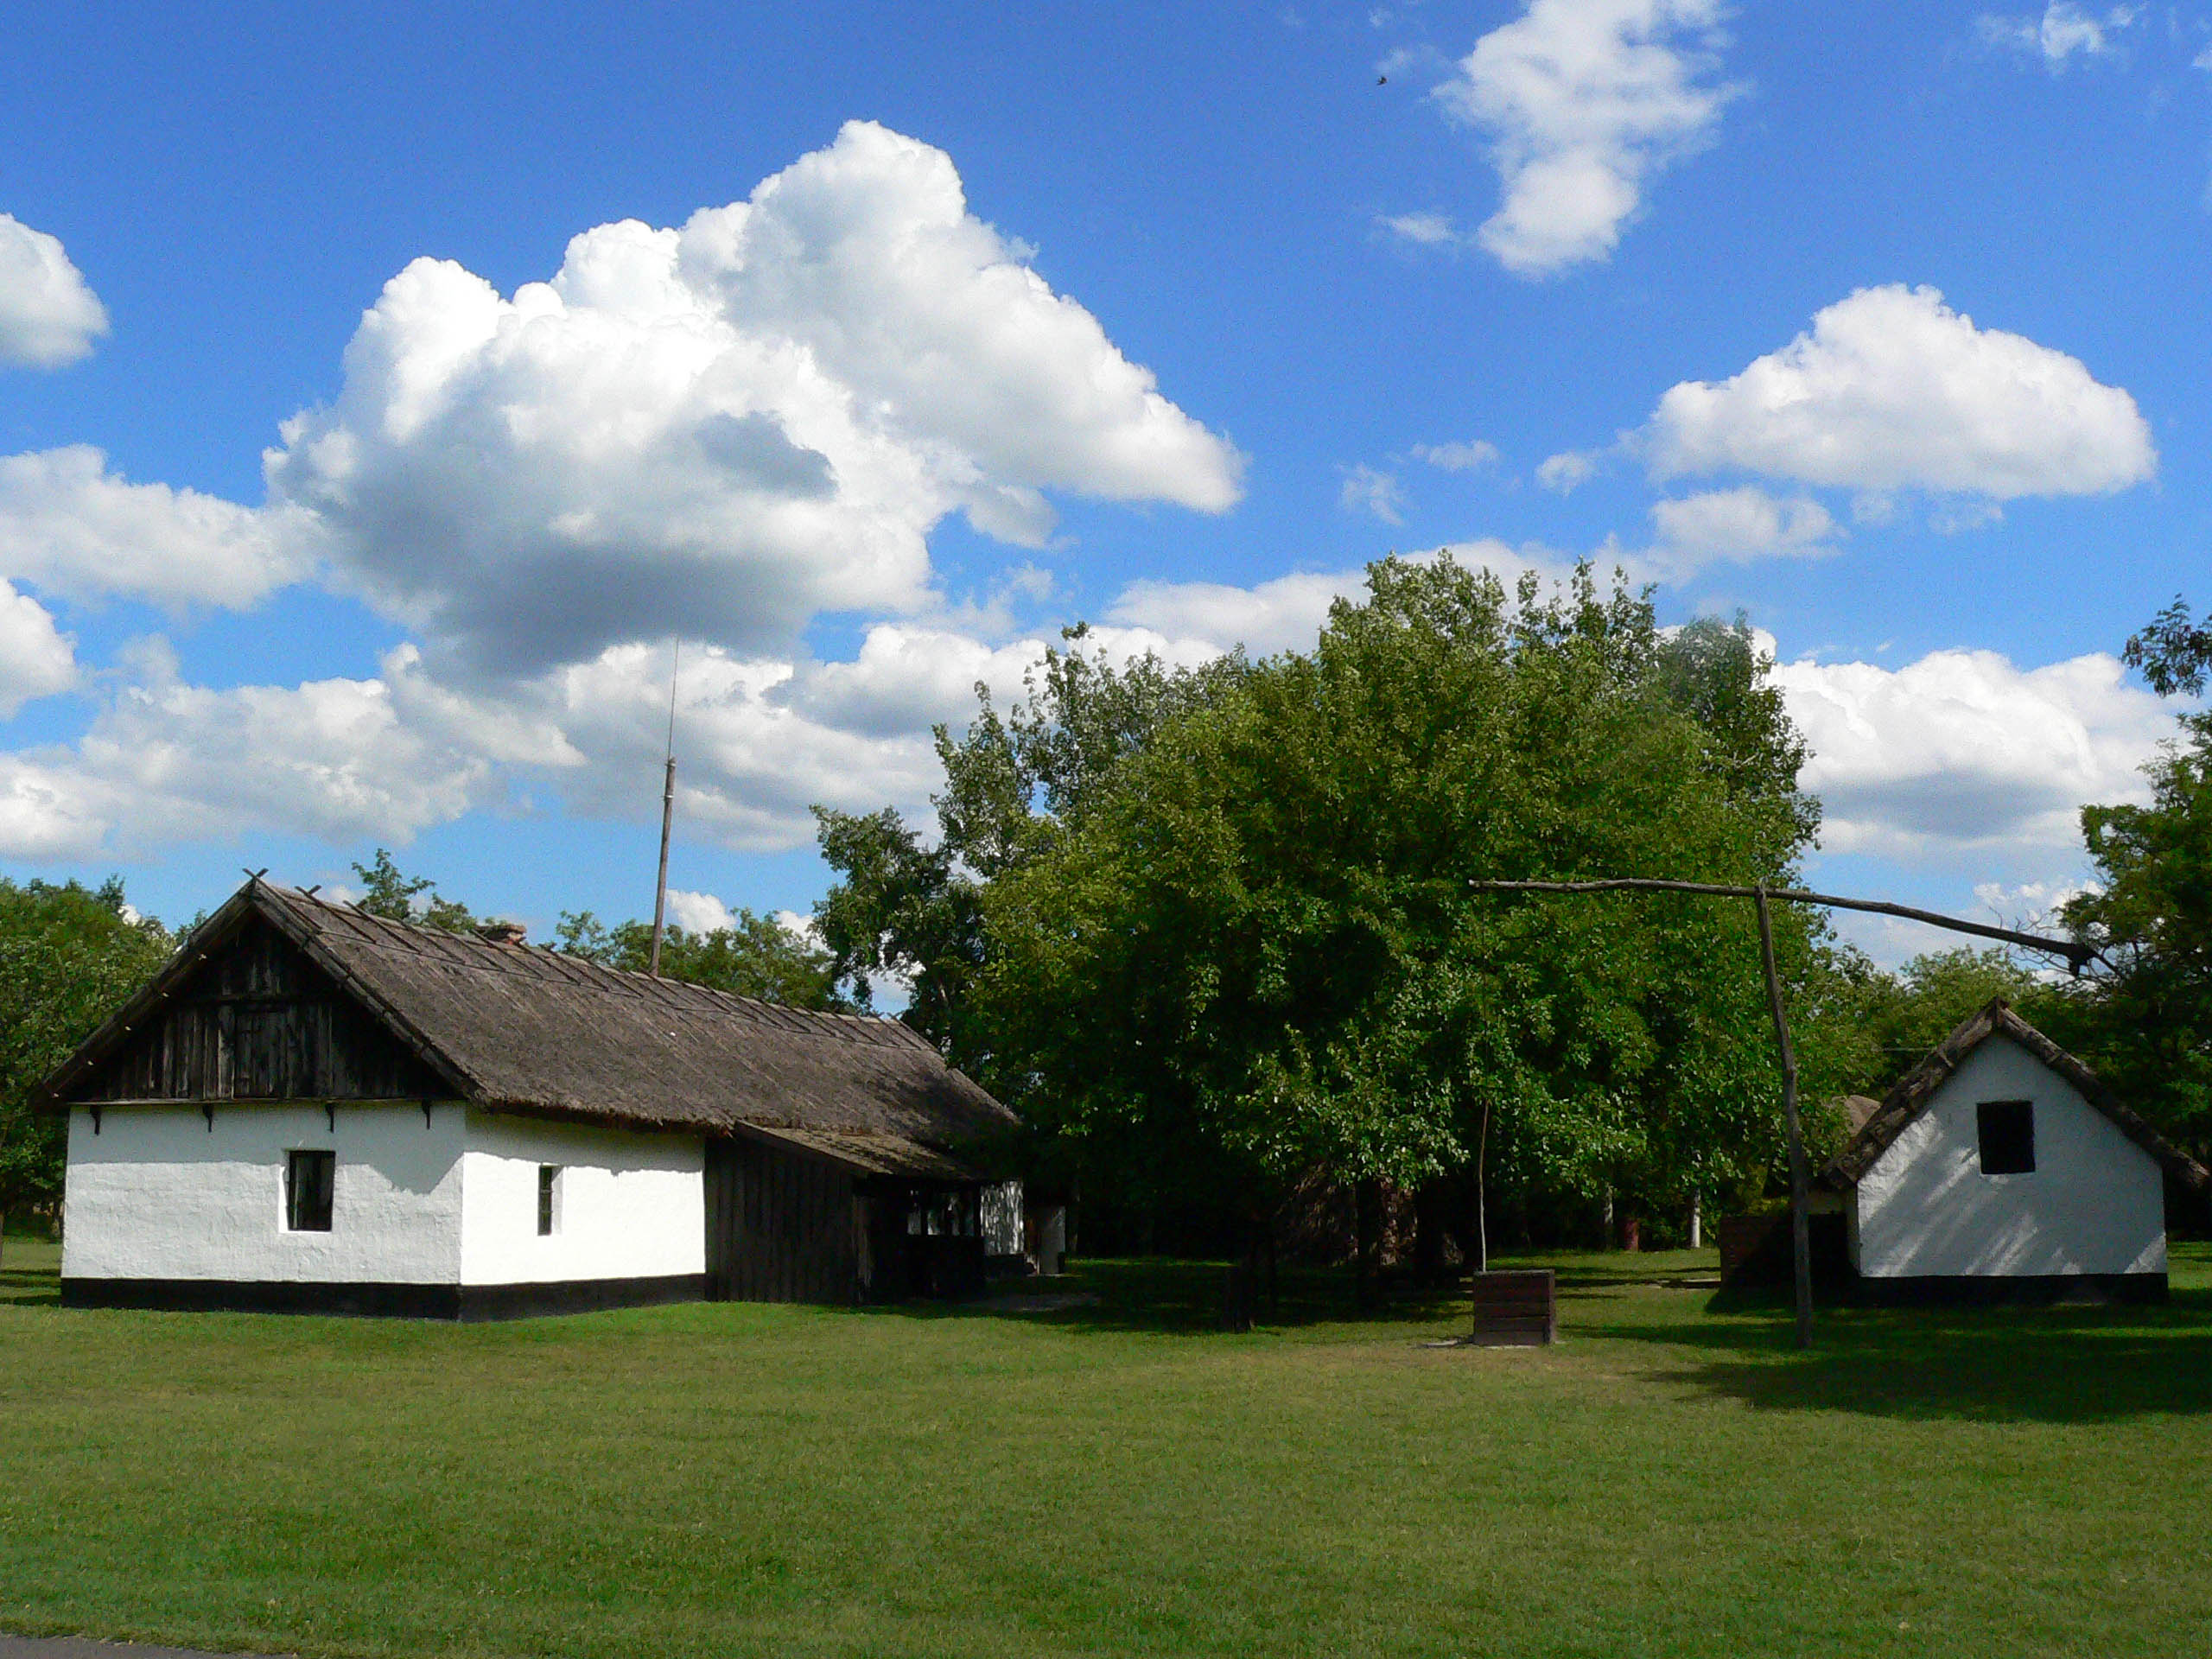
(519, 1027)
(1909, 1098)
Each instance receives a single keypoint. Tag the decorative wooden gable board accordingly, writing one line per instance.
(259, 1020)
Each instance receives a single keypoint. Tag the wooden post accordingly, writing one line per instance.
(2078, 955)
(1800, 1244)
(1482, 1195)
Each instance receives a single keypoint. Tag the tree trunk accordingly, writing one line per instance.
(1697, 1220)
(1428, 1233)
(1238, 1283)
(1367, 1241)
(1606, 1224)
(1274, 1284)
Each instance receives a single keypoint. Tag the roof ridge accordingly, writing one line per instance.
(529, 1030)
(1908, 1096)
(469, 951)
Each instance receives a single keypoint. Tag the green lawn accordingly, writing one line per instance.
(735, 1479)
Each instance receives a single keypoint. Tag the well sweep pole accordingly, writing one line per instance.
(1801, 1250)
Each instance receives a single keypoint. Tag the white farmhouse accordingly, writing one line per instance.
(312, 1109)
(2001, 1169)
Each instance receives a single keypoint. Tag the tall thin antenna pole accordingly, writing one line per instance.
(667, 815)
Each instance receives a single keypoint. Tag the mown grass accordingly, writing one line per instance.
(1115, 1480)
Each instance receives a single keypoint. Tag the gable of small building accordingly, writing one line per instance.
(1921, 1207)
(2095, 1203)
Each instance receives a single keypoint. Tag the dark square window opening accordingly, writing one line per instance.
(310, 1180)
(2008, 1136)
(549, 1187)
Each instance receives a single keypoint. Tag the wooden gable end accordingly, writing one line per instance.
(260, 1020)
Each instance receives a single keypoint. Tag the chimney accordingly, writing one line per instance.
(502, 932)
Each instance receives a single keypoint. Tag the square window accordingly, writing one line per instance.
(310, 1178)
(549, 1197)
(2008, 1136)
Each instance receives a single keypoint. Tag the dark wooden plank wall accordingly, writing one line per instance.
(780, 1227)
(260, 1021)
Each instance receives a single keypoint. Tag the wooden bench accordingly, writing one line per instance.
(1516, 1309)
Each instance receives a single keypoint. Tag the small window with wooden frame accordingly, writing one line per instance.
(549, 1199)
(2007, 1133)
(310, 1184)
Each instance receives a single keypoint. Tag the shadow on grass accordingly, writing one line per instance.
(1185, 1297)
(2000, 1365)
(29, 1285)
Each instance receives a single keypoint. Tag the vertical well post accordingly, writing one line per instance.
(1802, 1261)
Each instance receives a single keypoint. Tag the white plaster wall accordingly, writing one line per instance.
(631, 1206)
(159, 1194)
(2095, 1202)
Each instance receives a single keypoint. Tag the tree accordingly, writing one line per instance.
(386, 892)
(1014, 784)
(754, 956)
(2143, 1017)
(2173, 653)
(899, 910)
(69, 957)
(1903, 1016)
(1259, 939)
(2148, 1027)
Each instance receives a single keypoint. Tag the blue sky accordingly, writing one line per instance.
(1166, 317)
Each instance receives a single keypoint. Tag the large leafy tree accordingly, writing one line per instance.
(1259, 936)
(2149, 1025)
(911, 912)
(69, 957)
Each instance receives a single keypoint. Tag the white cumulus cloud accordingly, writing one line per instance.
(2063, 30)
(36, 659)
(70, 523)
(1964, 751)
(1204, 618)
(1423, 229)
(1285, 614)
(1736, 526)
(48, 314)
(724, 428)
(1457, 457)
(1565, 471)
(906, 678)
(697, 912)
(1583, 101)
(165, 761)
(1892, 390)
(1369, 489)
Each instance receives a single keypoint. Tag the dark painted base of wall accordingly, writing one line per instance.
(465, 1302)
(2043, 1291)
